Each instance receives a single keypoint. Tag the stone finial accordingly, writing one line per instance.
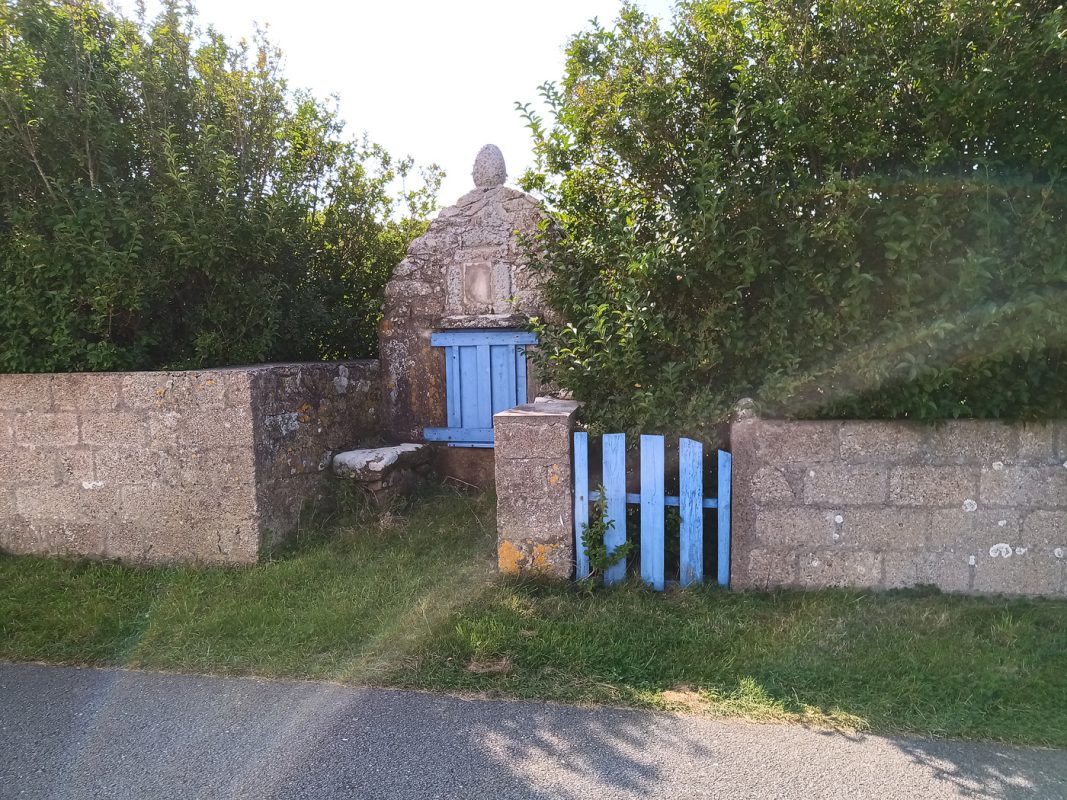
(489, 169)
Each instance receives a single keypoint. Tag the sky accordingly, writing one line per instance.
(430, 79)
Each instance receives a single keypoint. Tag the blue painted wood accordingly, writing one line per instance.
(520, 375)
(691, 511)
(726, 462)
(652, 511)
(614, 445)
(668, 500)
(468, 394)
(453, 387)
(581, 502)
(502, 365)
(445, 338)
(475, 436)
(485, 388)
(690, 502)
(485, 373)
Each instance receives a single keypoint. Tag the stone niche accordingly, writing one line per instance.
(468, 271)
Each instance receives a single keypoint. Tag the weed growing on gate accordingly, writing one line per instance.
(593, 537)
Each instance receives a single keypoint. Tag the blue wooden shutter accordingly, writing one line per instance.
(485, 372)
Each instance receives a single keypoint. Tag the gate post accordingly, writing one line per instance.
(534, 488)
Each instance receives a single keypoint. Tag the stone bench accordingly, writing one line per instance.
(385, 470)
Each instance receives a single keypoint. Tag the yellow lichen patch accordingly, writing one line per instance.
(553, 474)
(539, 557)
(509, 558)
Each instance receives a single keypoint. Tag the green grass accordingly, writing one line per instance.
(413, 601)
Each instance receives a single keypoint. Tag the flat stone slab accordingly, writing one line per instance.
(376, 463)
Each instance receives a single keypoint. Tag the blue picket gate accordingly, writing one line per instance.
(690, 502)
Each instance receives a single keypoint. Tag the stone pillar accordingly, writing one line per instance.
(534, 489)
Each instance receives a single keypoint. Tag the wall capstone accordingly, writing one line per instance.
(489, 169)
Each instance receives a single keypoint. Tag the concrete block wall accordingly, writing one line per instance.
(535, 489)
(969, 506)
(158, 467)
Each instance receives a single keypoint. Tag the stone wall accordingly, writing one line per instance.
(157, 467)
(966, 506)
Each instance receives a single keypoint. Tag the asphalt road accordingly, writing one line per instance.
(80, 733)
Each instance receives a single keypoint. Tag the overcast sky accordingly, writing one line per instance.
(431, 79)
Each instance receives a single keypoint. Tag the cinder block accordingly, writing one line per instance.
(1030, 573)
(132, 466)
(519, 557)
(45, 429)
(216, 466)
(934, 487)
(524, 440)
(1034, 487)
(845, 485)
(841, 568)
(766, 569)
(208, 430)
(92, 504)
(973, 442)
(785, 442)
(881, 529)
(85, 391)
(75, 466)
(21, 392)
(53, 537)
(1046, 530)
(163, 391)
(8, 507)
(883, 442)
(163, 427)
(524, 476)
(976, 531)
(27, 466)
(769, 485)
(1039, 443)
(948, 570)
(114, 429)
(794, 527)
(952, 528)
(7, 429)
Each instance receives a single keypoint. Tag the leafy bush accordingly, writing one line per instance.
(849, 208)
(167, 201)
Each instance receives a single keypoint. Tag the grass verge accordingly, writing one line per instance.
(411, 600)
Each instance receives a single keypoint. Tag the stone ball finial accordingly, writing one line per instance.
(489, 169)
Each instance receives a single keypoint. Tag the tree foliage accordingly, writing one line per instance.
(841, 208)
(167, 201)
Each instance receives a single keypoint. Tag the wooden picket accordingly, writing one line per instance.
(653, 502)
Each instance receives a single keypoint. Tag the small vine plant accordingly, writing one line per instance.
(593, 533)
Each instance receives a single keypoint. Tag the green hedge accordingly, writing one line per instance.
(167, 201)
(852, 208)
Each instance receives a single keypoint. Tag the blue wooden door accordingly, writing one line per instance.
(485, 372)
